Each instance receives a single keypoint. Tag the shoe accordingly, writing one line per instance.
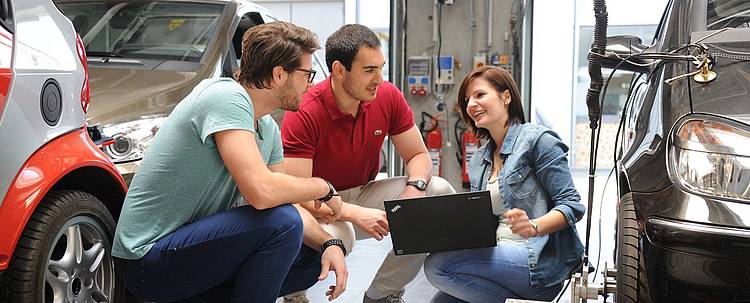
(394, 298)
(297, 297)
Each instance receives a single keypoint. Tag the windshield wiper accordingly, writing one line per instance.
(103, 54)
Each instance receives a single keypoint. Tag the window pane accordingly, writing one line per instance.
(145, 29)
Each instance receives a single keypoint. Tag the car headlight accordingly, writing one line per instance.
(709, 156)
(131, 139)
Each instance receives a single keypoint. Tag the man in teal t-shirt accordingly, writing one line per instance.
(179, 234)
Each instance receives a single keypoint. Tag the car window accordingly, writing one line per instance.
(727, 14)
(6, 15)
(145, 29)
(321, 72)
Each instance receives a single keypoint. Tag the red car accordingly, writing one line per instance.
(60, 194)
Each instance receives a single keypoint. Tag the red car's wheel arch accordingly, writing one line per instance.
(51, 167)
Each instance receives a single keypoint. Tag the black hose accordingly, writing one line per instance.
(592, 102)
(595, 62)
(423, 126)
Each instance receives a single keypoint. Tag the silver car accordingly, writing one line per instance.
(145, 56)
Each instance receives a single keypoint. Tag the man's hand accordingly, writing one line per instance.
(319, 213)
(411, 192)
(518, 221)
(335, 205)
(373, 221)
(333, 260)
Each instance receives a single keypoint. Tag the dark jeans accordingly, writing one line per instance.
(240, 255)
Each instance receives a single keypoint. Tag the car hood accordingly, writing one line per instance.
(122, 94)
(729, 94)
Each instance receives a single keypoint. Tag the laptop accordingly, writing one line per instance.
(440, 223)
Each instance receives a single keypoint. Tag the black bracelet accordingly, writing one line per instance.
(331, 193)
(333, 242)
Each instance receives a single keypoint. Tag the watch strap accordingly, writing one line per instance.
(332, 242)
(331, 193)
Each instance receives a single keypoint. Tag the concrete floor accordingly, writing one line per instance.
(367, 255)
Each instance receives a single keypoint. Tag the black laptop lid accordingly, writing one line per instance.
(440, 223)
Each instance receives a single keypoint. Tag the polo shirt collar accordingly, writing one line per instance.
(333, 107)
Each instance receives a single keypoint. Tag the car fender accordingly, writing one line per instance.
(41, 172)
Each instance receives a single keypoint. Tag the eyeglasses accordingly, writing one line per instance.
(310, 74)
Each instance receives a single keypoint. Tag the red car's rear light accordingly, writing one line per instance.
(86, 89)
(6, 52)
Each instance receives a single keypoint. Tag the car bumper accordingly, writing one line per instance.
(697, 249)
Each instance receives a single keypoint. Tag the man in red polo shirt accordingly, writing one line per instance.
(338, 134)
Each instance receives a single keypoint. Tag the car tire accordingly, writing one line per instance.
(632, 285)
(63, 254)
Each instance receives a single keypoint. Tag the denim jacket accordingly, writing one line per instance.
(536, 178)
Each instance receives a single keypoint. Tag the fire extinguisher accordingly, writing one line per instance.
(434, 145)
(469, 145)
(434, 141)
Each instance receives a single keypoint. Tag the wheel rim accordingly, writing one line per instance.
(79, 266)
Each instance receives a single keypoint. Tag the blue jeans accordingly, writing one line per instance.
(240, 255)
(490, 274)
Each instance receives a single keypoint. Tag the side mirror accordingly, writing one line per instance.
(619, 48)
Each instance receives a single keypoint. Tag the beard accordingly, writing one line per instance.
(359, 93)
(288, 97)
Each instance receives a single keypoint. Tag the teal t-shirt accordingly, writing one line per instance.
(182, 177)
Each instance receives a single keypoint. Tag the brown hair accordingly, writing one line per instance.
(344, 44)
(500, 80)
(273, 44)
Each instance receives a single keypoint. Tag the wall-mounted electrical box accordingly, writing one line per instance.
(418, 76)
(444, 70)
(480, 60)
(504, 61)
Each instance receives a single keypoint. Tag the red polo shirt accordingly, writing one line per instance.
(345, 150)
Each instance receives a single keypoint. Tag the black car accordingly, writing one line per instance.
(683, 164)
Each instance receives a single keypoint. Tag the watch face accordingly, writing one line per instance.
(421, 185)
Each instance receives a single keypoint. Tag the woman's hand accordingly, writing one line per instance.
(519, 223)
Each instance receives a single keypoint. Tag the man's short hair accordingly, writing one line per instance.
(273, 44)
(344, 44)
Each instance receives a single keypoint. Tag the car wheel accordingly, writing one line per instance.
(632, 285)
(64, 254)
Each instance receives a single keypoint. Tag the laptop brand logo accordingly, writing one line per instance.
(395, 208)
(378, 132)
(474, 198)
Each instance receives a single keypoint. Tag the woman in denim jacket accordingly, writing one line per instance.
(524, 166)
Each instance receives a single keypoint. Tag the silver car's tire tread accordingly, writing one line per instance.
(35, 243)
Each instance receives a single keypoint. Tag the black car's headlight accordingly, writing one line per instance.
(131, 139)
(710, 156)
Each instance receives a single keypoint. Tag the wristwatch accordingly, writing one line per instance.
(332, 242)
(331, 193)
(419, 184)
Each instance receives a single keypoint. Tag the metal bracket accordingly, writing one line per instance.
(581, 291)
